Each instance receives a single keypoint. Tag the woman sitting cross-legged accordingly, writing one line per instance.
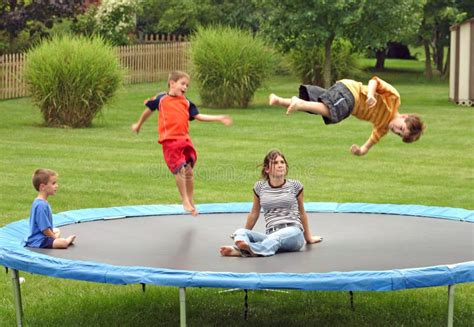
(286, 222)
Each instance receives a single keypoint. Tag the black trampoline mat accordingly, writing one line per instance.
(352, 242)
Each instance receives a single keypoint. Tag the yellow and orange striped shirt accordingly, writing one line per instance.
(388, 102)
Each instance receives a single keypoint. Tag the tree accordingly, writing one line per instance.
(301, 23)
(184, 16)
(438, 16)
(116, 20)
(34, 17)
(384, 22)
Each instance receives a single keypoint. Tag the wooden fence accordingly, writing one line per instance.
(152, 62)
(143, 63)
(12, 83)
(159, 38)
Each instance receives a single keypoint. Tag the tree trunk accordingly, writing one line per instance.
(327, 78)
(439, 57)
(428, 69)
(380, 56)
(438, 49)
(445, 74)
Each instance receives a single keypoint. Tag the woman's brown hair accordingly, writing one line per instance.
(267, 161)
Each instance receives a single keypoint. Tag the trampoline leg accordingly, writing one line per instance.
(450, 305)
(17, 295)
(182, 306)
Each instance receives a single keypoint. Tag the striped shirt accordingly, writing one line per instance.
(388, 101)
(279, 204)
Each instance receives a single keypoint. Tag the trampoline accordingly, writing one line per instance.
(367, 247)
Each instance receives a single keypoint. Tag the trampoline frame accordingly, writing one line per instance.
(17, 258)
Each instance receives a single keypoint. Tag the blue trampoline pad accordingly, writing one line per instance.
(361, 251)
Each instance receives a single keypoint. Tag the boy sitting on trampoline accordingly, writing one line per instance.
(377, 103)
(42, 232)
(286, 221)
(175, 112)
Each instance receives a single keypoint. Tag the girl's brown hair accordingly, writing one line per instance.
(267, 161)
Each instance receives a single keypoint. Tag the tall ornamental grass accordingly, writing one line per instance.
(71, 78)
(308, 63)
(229, 65)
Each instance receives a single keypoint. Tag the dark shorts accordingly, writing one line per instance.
(47, 243)
(338, 98)
(179, 153)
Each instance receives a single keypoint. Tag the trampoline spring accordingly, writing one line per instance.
(246, 305)
(351, 295)
(143, 287)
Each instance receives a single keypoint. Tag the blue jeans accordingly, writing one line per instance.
(288, 239)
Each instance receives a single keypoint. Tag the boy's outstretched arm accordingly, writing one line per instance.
(224, 119)
(144, 116)
(360, 151)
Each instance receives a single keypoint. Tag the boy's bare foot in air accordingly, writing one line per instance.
(229, 251)
(191, 209)
(196, 211)
(295, 104)
(273, 99)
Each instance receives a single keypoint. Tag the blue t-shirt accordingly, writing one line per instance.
(41, 218)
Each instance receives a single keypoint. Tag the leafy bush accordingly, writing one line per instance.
(70, 79)
(229, 65)
(308, 62)
(115, 20)
(86, 23)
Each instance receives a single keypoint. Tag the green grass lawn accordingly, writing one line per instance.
(106, 165)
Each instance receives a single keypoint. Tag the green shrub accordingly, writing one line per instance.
(116, 20)
(70, 79)
(229, 65)
(308, 62)
(86, 23)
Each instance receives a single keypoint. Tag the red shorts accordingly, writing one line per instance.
(178, 153)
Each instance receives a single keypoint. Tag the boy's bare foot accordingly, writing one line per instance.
(295, 104)
(191, 209)
(273, 99)
(71, 239)
(229, 251)
(135, 128)
(195, 211)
